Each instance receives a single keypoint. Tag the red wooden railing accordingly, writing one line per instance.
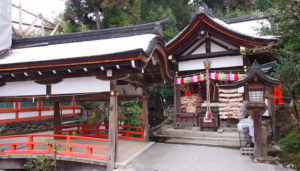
(101, 131)
(68, 143)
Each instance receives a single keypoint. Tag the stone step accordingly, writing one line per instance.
(171, 132)
(205, 142)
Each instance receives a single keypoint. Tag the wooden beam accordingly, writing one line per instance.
(20, 20)
(30, 27)
(113, 127)
(104, 96)
(15, 32)
(50, 80)
(56, 118)
(208, 46)
(55, 29)
(48, 89)
(37, 26)
(33, 75)
(177, 105)
(136, 79)
(42, 26)
(114, 77)
(209, 55)
(145, 114)
(28, 12)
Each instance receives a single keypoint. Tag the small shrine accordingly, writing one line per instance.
(208, 54)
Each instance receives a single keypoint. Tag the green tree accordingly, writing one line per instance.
(86, 14)
(286, 14)
(157, 13)
(181, 10)
(131, 112)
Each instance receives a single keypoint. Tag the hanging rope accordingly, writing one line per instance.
(208, 111)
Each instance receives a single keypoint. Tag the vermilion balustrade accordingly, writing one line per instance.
(30, 143)
(101, 131)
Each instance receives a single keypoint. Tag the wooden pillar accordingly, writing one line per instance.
(113, 126)
(274, 125)
(177, 107)
(145, 115)
(257, 134)
(57, 117)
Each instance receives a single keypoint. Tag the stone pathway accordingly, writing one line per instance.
(172, 157)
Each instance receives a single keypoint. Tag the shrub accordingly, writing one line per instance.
(290, 146)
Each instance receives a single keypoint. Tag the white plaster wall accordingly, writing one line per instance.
(22, 89)
(67, 111)
(192, 47)
(219, 62)
(80, 85)
(47, 112)
(200, 50)
(7, 116)
(28, 114)
(216, 48)
(223, 43)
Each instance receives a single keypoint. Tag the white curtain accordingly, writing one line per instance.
(5, 24)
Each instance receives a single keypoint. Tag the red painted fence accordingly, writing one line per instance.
(30, 143)
(101, 131)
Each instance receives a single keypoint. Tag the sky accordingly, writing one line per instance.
(49, 9)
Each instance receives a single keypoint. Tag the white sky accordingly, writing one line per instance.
(49, 9)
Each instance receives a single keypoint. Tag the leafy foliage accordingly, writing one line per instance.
(40, 163)
(131, 112)
(1, 150)
(290, 146)
(286, 14)
(86, 15)
(181, 10)
(118, 20)
(157, 13)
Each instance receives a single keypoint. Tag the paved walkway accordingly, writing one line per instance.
(173, 157)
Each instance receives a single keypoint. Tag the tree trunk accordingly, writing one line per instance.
(57, 117)
(295, 107)
(96, 10)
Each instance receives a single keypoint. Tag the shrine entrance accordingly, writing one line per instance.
(207, 54)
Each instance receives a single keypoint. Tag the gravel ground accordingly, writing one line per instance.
(171, 157)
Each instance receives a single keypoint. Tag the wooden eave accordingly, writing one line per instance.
(160, 73)
(82, 62)
(204, 22)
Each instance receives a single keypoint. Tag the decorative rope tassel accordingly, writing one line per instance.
(208, 114)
